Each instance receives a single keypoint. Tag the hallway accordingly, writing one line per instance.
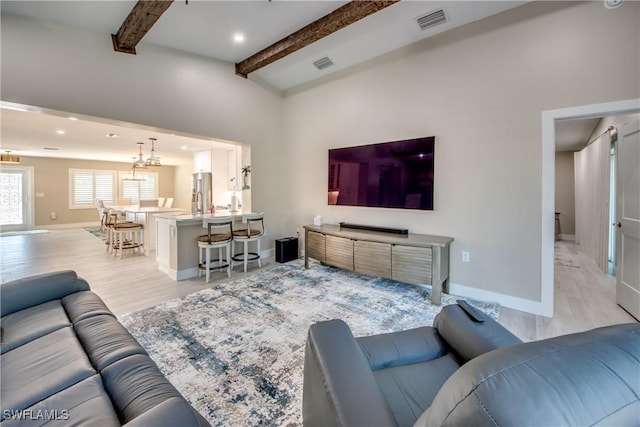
(585, 298)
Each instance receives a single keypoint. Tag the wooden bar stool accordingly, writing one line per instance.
(219, 236)
(123, 235)
(254, 231)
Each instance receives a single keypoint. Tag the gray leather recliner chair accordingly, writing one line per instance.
(469, 370)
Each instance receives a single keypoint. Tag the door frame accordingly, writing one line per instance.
(29, 210)
(547, 211)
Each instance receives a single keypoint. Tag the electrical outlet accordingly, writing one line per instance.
(465, 256)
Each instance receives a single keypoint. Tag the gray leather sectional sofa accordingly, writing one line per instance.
(467, 370)
(66, 360)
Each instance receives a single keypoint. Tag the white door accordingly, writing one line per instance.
(15, 198)
(628, 246)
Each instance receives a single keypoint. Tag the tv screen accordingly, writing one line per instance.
(396, 174)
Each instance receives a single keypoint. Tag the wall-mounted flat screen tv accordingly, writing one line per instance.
(396, 174)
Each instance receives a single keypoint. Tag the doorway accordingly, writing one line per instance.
(547, 235)
(16, 207)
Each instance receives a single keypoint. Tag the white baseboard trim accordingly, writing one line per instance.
(67, 226)
(521, 304)
(568, 237)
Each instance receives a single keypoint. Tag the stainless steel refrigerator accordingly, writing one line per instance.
(200, 192)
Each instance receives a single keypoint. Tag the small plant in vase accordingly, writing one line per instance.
(246, 170)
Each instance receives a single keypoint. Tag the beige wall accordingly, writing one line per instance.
(51, 178)
(565, 193)
(481, 90)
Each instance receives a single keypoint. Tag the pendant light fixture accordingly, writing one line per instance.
(153, 160)
(139, 162)
(7, 157)
(131, 176)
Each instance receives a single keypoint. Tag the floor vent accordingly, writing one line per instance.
(431, 19)
(323, 63)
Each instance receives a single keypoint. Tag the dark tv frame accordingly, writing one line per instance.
(395, 174)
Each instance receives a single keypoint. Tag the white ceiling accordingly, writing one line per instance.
(27, 133)
(207, 28)
(573, 135)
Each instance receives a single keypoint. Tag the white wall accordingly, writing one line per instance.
(65, 69)
(480, 90)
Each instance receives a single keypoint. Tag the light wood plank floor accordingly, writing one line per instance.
(584, 296)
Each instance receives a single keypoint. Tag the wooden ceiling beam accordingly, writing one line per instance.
(140, 20)
(328, 24)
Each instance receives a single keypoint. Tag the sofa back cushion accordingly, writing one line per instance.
(580, 379)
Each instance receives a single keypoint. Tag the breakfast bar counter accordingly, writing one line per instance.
(176, 236)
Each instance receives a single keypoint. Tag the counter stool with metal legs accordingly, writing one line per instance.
(254, 231)
(219, 236)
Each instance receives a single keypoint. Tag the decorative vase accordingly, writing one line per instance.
(234, 202)
(245, 179)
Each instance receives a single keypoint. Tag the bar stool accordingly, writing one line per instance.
(254, 231)
(123, 235)
(219, 236)
(103, 212)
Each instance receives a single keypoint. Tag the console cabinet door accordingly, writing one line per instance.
(411, 264)
(339, 252)
(372, 258)
(316, 246)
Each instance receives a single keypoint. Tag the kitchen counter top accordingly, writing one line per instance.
(189, 219)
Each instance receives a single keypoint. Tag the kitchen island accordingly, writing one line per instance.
(146, 217)
(176, 237)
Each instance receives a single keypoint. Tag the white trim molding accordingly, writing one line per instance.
(529, 306)
(549, 118)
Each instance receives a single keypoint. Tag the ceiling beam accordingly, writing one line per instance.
(140, 20)
(328, 24)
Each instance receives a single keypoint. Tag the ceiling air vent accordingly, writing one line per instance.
(431, 19)
(323, 63)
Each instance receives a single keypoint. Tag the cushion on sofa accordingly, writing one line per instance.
(588, 378)
(80, 305)
(42, 367)
(136, 385)
(34, 322)
(410, 389)
(38, 289)
(105, 340)
(84, 403)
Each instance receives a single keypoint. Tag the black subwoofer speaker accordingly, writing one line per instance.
(286, 249)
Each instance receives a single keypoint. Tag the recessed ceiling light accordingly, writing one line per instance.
(73, 118)
(184, 147)
(238, 37)
(60, 132)
(112, 135)
(51, 148)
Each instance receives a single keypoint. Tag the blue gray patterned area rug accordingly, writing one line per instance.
(236, 350)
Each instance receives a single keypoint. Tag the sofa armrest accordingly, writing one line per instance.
(34, 290)
(339, 387)
(471, 333)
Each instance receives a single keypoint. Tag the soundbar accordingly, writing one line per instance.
(374, 228)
